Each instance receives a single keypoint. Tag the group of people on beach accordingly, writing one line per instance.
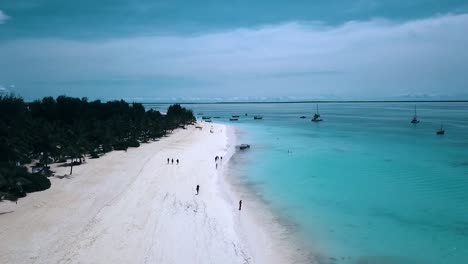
(172, 161)
(218, 158)
(197, 188)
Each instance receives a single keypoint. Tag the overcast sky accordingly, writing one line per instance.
(200, 50)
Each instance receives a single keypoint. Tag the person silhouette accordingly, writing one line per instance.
(198, 189)
(240, 205)
(172, 161)
(177, 161)
(167, 160)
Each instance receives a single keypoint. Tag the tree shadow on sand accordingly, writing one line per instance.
(61, 177)
(68, 164)
(9, 212)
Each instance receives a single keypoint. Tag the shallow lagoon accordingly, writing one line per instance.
(364, 185)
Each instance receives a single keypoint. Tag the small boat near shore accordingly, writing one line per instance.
(206, 117)
(234, 119)
(258, 117)
(244, 146)
(302, 117)
(235, 116)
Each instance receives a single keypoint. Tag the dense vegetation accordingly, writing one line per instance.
(70, 129)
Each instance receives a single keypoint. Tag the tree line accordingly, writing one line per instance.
(65, 129)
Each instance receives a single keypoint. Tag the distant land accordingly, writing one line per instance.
(315, 102)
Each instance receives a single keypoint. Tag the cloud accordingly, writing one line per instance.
(356, 59)
(4, 90)
(3, 17)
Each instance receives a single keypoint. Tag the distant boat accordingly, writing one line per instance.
(234, 119)
(235, 116)
(208, 120)
(246, 114)
(206, 117)
(441, 131)
(303, 117)
(317, 117)
(257, 117)
(415, 117)
(216, 117)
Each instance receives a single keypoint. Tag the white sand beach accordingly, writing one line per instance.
(132, 207)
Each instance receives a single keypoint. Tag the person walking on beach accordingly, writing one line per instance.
(167, 160)
(177, 161)
(240, 205)
(172, 161)
(198, 189)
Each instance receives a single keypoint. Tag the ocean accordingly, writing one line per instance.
(364, 185)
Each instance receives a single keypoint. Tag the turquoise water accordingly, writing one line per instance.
(364, 185)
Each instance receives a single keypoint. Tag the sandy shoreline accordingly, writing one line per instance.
(131, 207)
(267, 230)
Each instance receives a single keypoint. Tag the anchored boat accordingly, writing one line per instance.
(441, 131)
(317, 117)
(244, 146)
(415, 117)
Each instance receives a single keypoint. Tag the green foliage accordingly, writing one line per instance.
(66, 128)
(177, 115)
(16, 181)
(37, 182)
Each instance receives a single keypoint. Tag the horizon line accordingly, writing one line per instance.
(313, 101)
